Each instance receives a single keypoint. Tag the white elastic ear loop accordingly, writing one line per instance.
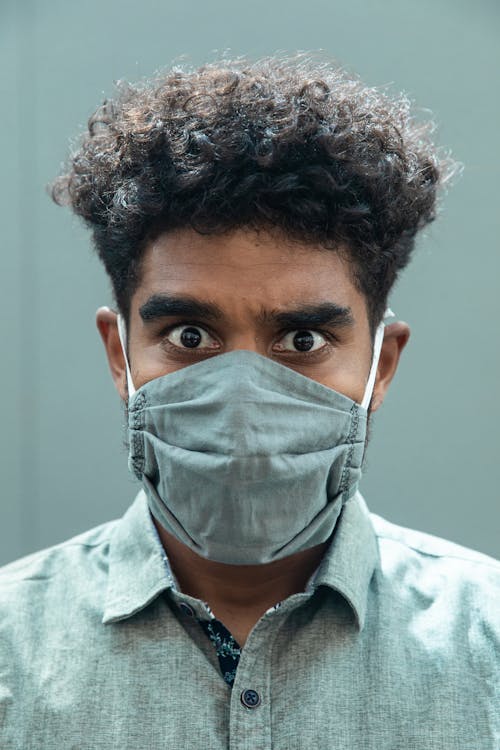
(377, 346)
(122, 332)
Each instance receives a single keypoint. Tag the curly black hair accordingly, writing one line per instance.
(287, 143)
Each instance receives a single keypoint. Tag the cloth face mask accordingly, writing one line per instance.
(243, 459)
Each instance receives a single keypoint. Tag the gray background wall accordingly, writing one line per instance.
(434, 455)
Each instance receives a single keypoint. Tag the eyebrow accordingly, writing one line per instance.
(311, 316)
(166, 305)
(306, 316)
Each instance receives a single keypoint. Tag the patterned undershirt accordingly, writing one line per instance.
(227, 649)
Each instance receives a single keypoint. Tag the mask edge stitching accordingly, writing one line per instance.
(350, 441)
(136, 435)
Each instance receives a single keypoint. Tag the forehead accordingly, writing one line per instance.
(259, 267)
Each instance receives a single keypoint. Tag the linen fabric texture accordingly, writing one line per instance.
(394, 644)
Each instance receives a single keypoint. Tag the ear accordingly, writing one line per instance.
(396, 336)
(106, 321)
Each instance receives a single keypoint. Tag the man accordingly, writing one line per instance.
(252, 218)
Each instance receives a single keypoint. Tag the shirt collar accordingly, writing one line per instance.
(351, 557)
(139, 569)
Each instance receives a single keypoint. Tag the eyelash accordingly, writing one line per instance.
(327, 335)
(185, 324)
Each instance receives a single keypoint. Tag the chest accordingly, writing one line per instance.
(297, 686)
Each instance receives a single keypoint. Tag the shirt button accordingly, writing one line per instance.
(186, 609)
(250, 698)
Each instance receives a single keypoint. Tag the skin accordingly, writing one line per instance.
(249, 275)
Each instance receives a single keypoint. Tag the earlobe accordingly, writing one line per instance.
(396, 337)
(106, 321)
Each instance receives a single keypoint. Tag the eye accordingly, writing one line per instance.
(301, 341)
(191, 337)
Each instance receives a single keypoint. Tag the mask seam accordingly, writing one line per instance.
(137, 419)
(350, 441)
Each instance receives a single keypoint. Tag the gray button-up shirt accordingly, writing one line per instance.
(394, 645)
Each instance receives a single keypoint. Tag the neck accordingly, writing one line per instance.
(238, 595)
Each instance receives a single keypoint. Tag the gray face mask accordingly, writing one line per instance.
(244, 460)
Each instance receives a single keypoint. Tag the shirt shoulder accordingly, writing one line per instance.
(393, 537)
(73, 560)
(438, 585)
